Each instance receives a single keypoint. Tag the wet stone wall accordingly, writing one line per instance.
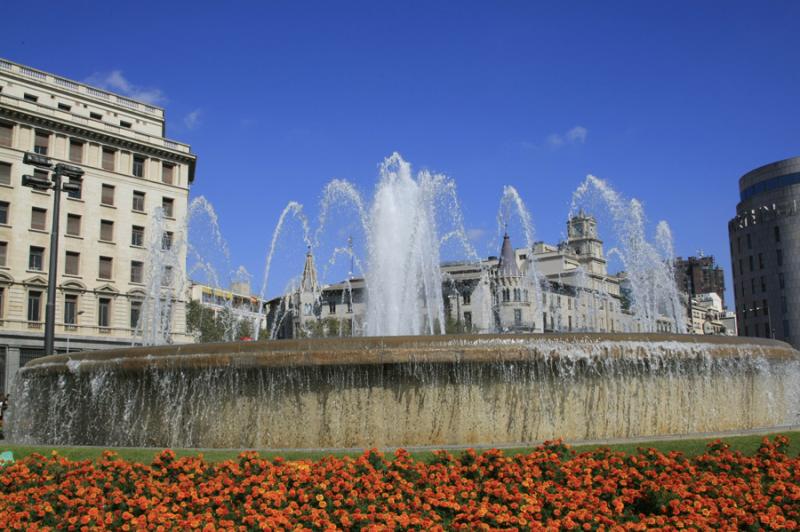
(413, 391)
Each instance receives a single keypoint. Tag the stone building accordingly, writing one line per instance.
(700, 275)
(130, 169)
(499, 293)
(237, 300)
(765, 252)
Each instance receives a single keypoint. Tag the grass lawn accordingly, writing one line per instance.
(689, 447)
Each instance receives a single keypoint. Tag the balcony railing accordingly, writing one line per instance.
(79, 87)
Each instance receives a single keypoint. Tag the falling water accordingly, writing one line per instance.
(513, 207)
(296, 211)
(164, 284)
(648, 269)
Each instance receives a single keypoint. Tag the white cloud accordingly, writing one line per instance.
(192, 120)
(114, 81)
(576, 135)
(476, 233)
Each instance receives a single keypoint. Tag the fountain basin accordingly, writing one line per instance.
(406, 391)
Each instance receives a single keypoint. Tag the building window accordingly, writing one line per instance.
(38, 218)
(138, 201)
(749, 242)
(104, 312)
(106, 230)
(107, 195)
(72, 263)
(4, 212)
(517, 316)
(138, 166)
(136, 311)
(41, 143)
(73, 224)
(760, 261)
(167, 205)
(786, 328)
(167, 173)
(3, 253)
(137, 271)
(2, 301)
(70, 309)
(516, 294)
(137, 236)
(123, 123)
(36, 259)
(780, 257)
(35, 306)
(75, 151)
(166, 240)
(105, 267)
(467, 298)
(753, 285)
(331, 307)
(750, 260)
(64, 107)
(5, 134)
(777, 234)
(5, 173)
(76, 194)
(166, 279)
(95, 116)
(108, 159)
(468, 321)
(766, 308)
(30, 97)
(763, 284)
(781, 281)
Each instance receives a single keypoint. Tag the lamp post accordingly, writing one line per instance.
(75, 176)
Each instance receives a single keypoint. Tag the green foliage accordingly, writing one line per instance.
(208, 326)
(203, 324)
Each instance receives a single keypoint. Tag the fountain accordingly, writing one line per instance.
(387, 389)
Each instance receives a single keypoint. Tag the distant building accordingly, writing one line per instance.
(237, 300)
(708, 316)
(700, 275)
(765, 252)
(495, 294)
(131, 168)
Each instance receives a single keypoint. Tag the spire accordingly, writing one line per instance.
(309, 280)
(507, 267)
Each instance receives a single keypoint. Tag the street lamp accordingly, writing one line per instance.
(75, 175)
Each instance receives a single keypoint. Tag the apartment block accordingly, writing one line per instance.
(130, 169)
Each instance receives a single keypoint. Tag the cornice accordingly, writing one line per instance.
(98, 136)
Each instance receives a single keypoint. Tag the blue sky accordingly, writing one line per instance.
(671, 102)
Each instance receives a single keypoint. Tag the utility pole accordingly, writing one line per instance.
(75, 176)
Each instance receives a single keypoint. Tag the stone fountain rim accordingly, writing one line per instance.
(361, 351)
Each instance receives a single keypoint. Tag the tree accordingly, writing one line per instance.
(201, 322)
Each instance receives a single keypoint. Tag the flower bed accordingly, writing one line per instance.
(551, 487)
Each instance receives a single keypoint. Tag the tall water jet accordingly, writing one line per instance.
(403, 272)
